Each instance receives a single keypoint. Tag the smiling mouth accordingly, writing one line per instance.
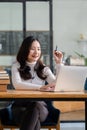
(35, 56)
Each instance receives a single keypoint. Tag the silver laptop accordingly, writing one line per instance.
(71, 78)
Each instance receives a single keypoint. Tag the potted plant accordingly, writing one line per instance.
(82, 56)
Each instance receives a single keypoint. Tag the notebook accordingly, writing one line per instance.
(71, 78)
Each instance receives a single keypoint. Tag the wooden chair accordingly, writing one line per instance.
(52, 122)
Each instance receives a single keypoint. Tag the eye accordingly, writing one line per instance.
(32, 49)
(39, 49)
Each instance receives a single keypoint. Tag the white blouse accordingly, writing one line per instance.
(35, 83)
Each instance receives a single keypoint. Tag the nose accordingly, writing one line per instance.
(36, 51)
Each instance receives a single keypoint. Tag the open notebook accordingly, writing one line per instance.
(71, 78)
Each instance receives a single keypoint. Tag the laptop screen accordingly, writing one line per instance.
(71, 78)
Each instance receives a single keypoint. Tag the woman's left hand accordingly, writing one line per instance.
(48, 87)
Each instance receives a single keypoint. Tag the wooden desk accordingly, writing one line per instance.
(54, 96)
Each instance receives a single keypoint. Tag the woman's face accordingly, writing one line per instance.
(34, 52)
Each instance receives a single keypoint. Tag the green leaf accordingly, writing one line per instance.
(80, 55)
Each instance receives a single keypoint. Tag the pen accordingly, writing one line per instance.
(56, 48)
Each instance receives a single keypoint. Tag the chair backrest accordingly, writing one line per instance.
(10, 86)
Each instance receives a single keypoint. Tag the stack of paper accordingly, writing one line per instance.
(4, 80)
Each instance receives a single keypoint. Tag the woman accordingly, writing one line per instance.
(29, 73)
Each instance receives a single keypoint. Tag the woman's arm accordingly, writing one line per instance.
(51, 79)
(19, 83)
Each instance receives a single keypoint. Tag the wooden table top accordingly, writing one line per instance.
(44, 95)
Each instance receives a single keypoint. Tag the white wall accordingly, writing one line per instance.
(69, 21)
(7, 60)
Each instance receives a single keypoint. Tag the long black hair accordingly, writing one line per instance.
(22, 56)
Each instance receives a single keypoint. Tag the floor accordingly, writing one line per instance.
(72, 126)
(75, 118)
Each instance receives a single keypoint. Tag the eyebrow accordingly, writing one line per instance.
(35, 47)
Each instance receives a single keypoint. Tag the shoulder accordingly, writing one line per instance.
(15, 65)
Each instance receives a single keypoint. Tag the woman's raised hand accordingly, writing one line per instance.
(58, 56)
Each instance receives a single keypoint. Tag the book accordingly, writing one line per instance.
(3, 72)
(3, 88)
(4, 77)
(4, 81)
